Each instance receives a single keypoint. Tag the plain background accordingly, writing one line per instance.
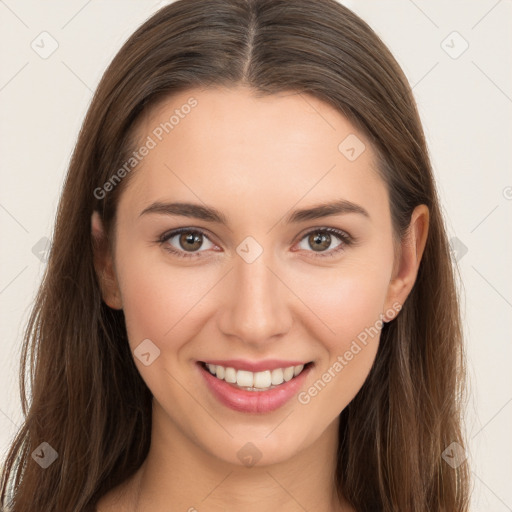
(465, 102)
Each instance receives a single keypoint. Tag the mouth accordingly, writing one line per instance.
(255, 381)
(254, 391)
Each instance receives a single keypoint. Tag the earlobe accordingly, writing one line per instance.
(410, 255)
(103, 264)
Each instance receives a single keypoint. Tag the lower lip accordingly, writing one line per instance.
(253, 401)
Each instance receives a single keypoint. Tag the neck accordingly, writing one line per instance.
(180, 472)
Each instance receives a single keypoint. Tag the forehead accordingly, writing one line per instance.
(233, 116)
(221, 143)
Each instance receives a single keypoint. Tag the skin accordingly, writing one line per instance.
(255, 160)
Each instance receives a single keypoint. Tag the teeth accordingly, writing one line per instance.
(262, 379)
(230, 375)
(255, 381)
(277, 376)
(244, 378)
(288, 373)
(220, 371)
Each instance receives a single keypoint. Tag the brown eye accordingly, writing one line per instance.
(320, 241)
(190, 240)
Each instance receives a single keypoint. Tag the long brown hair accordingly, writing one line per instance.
(88, 401)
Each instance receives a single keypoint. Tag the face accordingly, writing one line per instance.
(242, 280)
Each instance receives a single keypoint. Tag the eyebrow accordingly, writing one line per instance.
(211, 214)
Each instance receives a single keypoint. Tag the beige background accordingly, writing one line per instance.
(465, 102)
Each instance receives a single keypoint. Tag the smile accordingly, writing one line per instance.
(255, 381)
(264, 390)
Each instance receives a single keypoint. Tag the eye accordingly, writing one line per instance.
(188, 241)
(322, 238)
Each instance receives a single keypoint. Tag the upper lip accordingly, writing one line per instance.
(254, 366)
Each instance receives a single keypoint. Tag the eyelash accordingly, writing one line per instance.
(345, 239)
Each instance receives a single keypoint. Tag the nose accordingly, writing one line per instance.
(256, 308)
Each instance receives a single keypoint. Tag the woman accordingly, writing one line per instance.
(249, 302)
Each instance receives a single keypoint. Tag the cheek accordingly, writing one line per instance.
(142, 291)
(348, 301)
(351, 308)
(344, 301)
(161, 302)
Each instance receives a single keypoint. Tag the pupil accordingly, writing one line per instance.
(318, 239)
(190, 238)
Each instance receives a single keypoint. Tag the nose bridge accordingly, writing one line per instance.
(256, 300)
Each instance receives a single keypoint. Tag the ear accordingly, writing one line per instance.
(103, 264)
(408, 261)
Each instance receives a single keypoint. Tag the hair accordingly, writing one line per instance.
(89, 401)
